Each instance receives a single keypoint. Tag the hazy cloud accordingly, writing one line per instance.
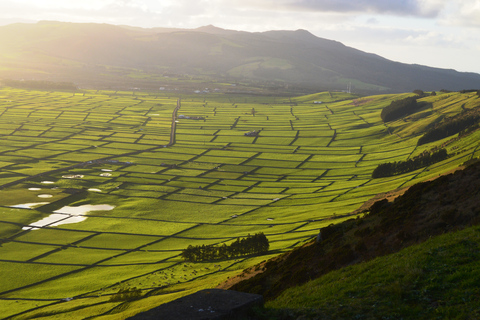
(463, 13)
(421, 8)
(58, 4)
(432, 38)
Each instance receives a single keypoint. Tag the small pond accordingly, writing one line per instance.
(66, 215)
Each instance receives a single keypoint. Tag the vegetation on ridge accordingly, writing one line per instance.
(427, 209)
(399, 108)
(423, 160)
(434, 280)
(258, 243)
(462, 123)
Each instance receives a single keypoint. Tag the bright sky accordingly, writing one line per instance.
(437, 33)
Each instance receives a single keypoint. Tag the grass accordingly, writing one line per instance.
(42, 272)
(435, 280)
(224, 185)
(23, 251)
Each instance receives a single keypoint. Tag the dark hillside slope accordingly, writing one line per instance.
(56, 49)
(445, 204)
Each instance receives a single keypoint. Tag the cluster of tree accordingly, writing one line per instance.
(419, 93)
(39, 84)
(425, 159)
(258, 243)
(463, 91)
(469, 90)
(422, 94)
(127, 294)
(450, 126)
(399, 108)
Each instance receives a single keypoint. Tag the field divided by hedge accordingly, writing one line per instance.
(278, 166)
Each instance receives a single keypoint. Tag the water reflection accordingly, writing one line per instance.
(67, 215)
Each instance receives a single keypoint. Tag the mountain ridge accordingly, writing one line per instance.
(67, 51)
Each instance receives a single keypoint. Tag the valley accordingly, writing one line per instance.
(180, 170)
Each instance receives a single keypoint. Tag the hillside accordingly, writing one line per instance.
(434, 280)
(124, 57)
(426, 210)
(97, 204)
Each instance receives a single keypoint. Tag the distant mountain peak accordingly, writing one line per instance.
(303, 31)
(285, 56)
(214, 30)
(209, 27)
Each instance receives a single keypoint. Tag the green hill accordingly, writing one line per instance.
(101, 55)
(435, 280)
(428, 209)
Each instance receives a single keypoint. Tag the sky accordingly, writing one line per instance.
(436, 33)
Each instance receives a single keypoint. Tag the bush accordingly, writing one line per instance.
(258, 243)
(393, 168)
(126, 295)
(450, 126)
(419, 93)
(399, 108)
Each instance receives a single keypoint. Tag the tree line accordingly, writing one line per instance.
(400, 108)
(450, 126)
(258, 243)
(39, 84)
(126, 294)
(425, 159)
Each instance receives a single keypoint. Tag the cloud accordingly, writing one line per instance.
(432, 38)
(58, 4)
(248, 14)
(392, 36)
(405, 30)
(462, 13)
(421, 8)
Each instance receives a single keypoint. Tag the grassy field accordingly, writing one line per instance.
(435, 280)
(307, 165)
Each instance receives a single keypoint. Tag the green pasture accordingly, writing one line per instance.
(53, 237)
(309, 166)
(23, 251)
(42, 272)
(435, 270)
(120, 242)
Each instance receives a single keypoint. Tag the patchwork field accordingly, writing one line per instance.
(236, 166)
